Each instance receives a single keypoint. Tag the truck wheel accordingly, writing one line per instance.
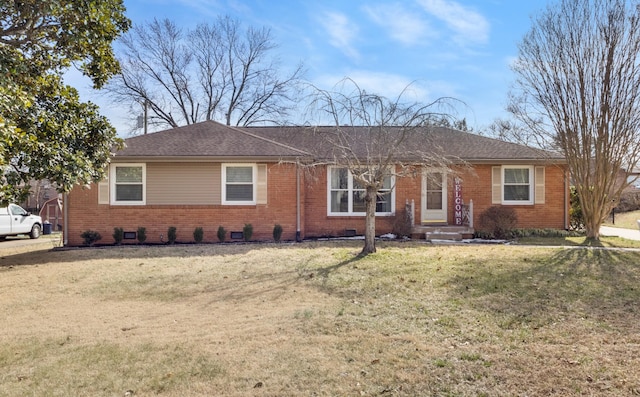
(35, 231)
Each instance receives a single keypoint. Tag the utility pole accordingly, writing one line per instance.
(146, 122)
(143, 120)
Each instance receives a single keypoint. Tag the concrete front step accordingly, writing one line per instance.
(455, 233)
(453, 236)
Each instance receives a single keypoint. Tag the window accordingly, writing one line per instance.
(346, 196)
(17, 210)
(128, 184)
(238, 185)
(517, 185)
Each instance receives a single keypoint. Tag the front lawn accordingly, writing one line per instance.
(627, 220)
(313, 319)
(581, 241)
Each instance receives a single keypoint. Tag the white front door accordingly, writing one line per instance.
(434, 197)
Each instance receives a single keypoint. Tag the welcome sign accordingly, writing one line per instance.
(458, 202)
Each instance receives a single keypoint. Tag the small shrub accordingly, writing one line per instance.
(629, 201)
(402, 226)
(172, 234)
(277, 233)
(90, 237)
(498, 222)
(576, 220)
(198, 235)
(118, 235)
(142, 234)
(222, 234)
(544, 233)
(247, 231)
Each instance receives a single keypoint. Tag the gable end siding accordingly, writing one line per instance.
(183, 183)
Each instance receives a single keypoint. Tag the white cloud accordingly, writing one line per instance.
(401, 24)
(385, 84)
(468, 25)
(341, 33)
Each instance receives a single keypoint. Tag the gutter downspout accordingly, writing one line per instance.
(298, 235)
(65, 211)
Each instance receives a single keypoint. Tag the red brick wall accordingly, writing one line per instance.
(476, 185)
(85, 214)
(317, 223)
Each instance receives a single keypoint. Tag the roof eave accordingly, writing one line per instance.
(201, 159)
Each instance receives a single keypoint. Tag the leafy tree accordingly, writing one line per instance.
(45, 131)
(371, 136)
(578, 89)
(212, 72)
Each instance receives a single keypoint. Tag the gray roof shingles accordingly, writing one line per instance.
(212, 139)
(205, 139)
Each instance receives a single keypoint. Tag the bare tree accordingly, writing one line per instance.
(578, 88)
(510, 130)
(375, 139)
(213, 72)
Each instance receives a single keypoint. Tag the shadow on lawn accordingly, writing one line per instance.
(325, 272)
(41, 256)
(603, 285)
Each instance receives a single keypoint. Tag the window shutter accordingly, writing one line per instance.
(496, 185)
(539, 186)
(261, 184)
(103, 191)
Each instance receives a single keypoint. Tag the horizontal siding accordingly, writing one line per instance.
(183, 183)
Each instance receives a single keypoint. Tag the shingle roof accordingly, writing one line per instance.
(447, 142)
(205, 139)
(212, 139)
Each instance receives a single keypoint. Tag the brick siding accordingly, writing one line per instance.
(84, 213)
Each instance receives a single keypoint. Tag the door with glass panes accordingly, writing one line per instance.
(434, 197)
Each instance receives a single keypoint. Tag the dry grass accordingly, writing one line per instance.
(604, 242)
(313, 319)
(628, 220)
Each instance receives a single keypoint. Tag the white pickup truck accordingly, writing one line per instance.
(15, 220)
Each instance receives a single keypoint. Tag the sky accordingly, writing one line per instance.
(439, 48)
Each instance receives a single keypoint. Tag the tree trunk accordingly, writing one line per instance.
(370, 221)
(593, 229)
(595, 207)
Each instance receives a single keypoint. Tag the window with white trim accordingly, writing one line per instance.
(128, 184)
(346, 196)
(517, 184)
(239, 184)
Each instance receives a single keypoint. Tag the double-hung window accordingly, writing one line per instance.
(517, 184)
(128, 184)
(239, 184)
(346, 195)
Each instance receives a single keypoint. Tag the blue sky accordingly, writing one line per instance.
(451, 48)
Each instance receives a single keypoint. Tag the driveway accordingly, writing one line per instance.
(20, 241)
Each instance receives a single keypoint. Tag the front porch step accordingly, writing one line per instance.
(453, 233)
(451, 236)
